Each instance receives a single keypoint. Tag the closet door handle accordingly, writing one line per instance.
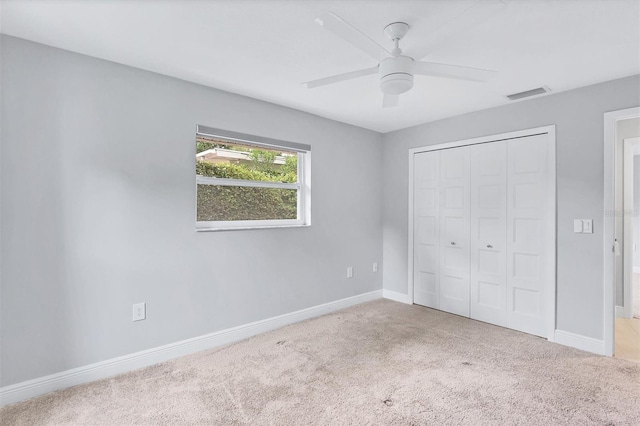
(489, 246)
(453, 243)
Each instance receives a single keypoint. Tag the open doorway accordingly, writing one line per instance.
(627, 237)
(618, 126)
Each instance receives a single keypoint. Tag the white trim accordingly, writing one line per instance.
(304, 195)
(205, 227)
(578, 341)
(396, 296)
(410, 226)
(620, 311)
(248, 224)
(608, 277)
(485, 139)
(111, 367)
(552, 235)
(636, 269)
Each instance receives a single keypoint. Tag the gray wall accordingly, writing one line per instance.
(98, 212)
(578, 115)
(625, 129)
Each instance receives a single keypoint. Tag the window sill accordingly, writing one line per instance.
(246, 228)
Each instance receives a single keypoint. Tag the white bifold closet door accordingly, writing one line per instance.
(441, 226)
(481, 231)
(426, 252)
(454, 230)
(528, 222)
(489, 232)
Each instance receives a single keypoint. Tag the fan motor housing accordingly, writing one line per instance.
(396, 74)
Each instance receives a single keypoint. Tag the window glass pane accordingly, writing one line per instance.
(228, 203)
(222, 159)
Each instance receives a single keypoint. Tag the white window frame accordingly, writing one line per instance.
(303, 186)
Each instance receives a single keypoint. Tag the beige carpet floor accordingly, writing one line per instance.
(379, 363)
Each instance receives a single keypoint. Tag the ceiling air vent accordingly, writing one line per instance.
(527, 93)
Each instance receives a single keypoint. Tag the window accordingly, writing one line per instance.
(245, 181)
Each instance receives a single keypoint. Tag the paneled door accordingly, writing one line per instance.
(454, 230)
(528, 244)
(488, 243)
(426, 250)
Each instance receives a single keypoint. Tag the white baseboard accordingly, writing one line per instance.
(578, 341)
(394, 295)
(111, 367)
(619, 311)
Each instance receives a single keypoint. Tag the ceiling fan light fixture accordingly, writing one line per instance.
(397, 83)
(396, 75)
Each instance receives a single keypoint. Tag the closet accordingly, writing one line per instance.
(483, 231)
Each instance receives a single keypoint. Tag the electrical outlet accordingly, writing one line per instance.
(350, 272)
(375, 266)
(139, 311)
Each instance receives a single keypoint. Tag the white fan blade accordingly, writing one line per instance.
(390, 101)
(469, 18)
(340, 77)
(453, 71)
(351, 34)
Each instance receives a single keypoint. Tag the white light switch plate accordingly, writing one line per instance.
(139, 311)
(583, 226)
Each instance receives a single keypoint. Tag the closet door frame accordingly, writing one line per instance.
(550, 267)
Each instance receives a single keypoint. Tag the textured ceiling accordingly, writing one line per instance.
(265, 49)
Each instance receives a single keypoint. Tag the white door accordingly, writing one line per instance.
(454, 230)
(426, 250)
(489, 232)
(528, 247)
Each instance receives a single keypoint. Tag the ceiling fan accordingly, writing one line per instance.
(396, 70)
